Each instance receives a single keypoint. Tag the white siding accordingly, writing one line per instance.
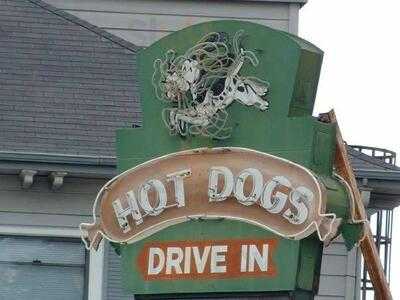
(338, 273)
(43, 208)
(72, 201)
(114, 290)
(41, 268)
(144, 21)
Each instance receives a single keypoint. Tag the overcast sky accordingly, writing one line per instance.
(360, 76)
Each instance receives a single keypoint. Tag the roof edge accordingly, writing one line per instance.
(371, 159)
(54, 158)
(301, 2)
(71, 18)
(286, 1)
(387, 175)
(43, 163)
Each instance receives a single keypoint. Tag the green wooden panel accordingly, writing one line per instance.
(289, 64)
(287, 129)
(285, 258)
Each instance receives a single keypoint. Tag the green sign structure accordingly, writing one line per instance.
(230, 84)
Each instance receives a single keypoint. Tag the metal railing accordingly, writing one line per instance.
(382, 229)
(381, 224)
(384, 155)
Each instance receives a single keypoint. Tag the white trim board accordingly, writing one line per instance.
(39, 231)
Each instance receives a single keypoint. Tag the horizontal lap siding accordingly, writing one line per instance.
(114, 290)
(72, 204)
(338, 273)
(41, 206)
(143, 22)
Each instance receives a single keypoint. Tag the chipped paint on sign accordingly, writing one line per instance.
(207, 259)
(234, 183)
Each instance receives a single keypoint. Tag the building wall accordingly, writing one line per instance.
(42, 211)
(338, 273)
(39, 205)
(142, 21)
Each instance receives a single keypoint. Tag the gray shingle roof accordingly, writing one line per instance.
(65, 85)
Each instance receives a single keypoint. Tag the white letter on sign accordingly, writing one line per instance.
(122, 213)
(144, 197)
(174, 260)
(216, 257)
(200, 260)
(275, 204)
(255, 256)
(297, 198)
(151, 269)
(227, 188)
(243, 260)
(257, 186)
(177, 178)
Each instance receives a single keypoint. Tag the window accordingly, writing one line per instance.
(42, 268)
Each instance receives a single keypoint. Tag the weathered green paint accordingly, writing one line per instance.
(285, 258)
(291, 66)
(352, 234)
(310, 256)
(287, 129)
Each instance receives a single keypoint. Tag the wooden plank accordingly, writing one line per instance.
(334, 265)
(75, 197)
(294, 18)
(328, 298)
(147, 37)
(72, 185)
(368, 248)
(222, 9)
(352, 262)
(336, 248)
(47, 202)
(138, 37)
(50, 220)
(332, 286)
(158, 22)
(350, 290)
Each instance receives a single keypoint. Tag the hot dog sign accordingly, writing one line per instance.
(234, 183)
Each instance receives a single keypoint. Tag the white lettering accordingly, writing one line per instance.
(256, 257)
(151, 198)
(144, 197)
(200, 261)
(186, 267)
(174, 260)
(243, 259)
(177, 179)
(152, 269)
(298, 197)
(218, 257)
(257, 186)
(214, 175)
(122, 213)
(275, 204)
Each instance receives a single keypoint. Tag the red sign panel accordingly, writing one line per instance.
(207, 259)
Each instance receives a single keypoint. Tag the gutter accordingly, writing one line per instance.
(58, 158)
(45, 163)
(377, 174)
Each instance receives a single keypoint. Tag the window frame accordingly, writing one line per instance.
(94, 269)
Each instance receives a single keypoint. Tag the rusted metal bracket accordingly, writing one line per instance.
(367, 245)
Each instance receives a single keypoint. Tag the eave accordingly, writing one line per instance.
(44, 163)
